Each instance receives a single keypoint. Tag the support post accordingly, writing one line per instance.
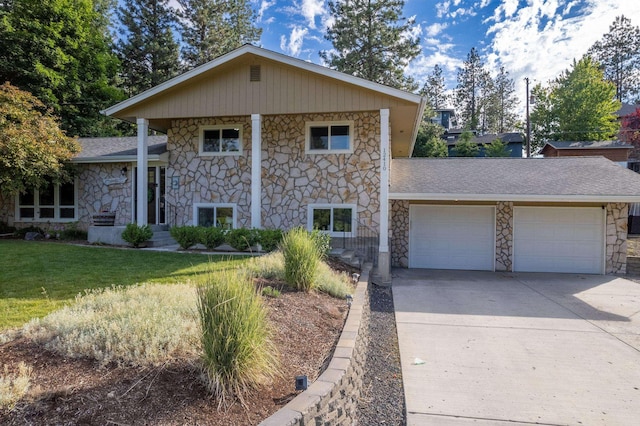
(384, 257)
(256, 171)
(142, 179)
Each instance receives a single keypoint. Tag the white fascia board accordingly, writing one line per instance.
(516, 197)
(268, 54)
(115, 159)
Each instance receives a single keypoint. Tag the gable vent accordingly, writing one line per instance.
(254, 73)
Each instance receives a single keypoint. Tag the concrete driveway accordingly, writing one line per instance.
(503, 348)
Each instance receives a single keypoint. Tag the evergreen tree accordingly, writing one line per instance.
(618, 52)
(500, 110)
(465, 147)
(60, 51)
(435, 90)
(210, 28)
(429, 141)
(148, 50)
(543, 123)
(473, 88)
(497, 148)
(372, 41)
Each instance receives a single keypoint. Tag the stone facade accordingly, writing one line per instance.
(616, 238)
(291, 178)
(399, 230)
(504, 236)
(101, 187)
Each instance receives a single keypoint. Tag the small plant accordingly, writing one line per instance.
(333, 283)
(242, 238)
(269, 291)
(322, 241)
(238, 353)
(186, 236)
(301, 259)
(14, 386)
(71, 232)
(211, 236)
(269, 239)
(137, 235)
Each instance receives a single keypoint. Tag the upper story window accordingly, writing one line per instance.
(221, 140)
(336, 137)
(51, 203)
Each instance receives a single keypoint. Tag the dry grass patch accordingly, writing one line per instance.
(14, 385)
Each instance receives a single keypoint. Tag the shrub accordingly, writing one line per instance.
(322, 241)
(71, 232)
(238, 353)
(270, 292)
(269, 239)
(14, 386)
(186, 236)
(137, 235)
(6, 229)
(301, 259)
(22, 232)
(211, 236)
(242, 238)
(333, 283)
(123, 325)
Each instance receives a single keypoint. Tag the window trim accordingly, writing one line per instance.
(354, 218)
(328, 124)
(233, 206)
(56, 206)
(221, 127)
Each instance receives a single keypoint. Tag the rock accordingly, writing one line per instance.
(33, 236)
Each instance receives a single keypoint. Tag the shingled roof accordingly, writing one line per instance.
(117, 148)
(589, 144)
(570, 179)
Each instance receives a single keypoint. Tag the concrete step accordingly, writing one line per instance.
(161, 238)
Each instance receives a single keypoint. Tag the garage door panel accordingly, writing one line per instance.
(452, 237)
(558, 239)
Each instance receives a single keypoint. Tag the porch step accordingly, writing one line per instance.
(161, 238)
(347, 256)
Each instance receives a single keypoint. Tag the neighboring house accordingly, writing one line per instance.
(258, 139)
(615, 151)
(446, 117)
(513, 141)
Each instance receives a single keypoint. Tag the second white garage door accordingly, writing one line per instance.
(558, 239)
(452, 237)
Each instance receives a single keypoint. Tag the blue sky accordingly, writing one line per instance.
(533, 38)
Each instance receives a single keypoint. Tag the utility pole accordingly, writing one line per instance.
(528, 121)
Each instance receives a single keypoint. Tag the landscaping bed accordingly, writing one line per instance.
(79, 391)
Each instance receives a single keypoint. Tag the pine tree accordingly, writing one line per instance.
(500, 108)
(372, 41)
(147, 50)
(435, 90)
(465, 147)
(472, 90)
(60, 51)
(618, 52)
(210, 28)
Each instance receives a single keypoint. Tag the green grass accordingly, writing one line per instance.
(37, 278)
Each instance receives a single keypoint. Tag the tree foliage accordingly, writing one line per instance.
(60, 51)
(465, 147)
(630, 131)
(618, 52)
(435, 90)
(33, 149)
(497, 148)
(210, 28)
(473, 90)
(147, 48)
(500, 109)
(372, 41)
(579, 105)
(429, 142)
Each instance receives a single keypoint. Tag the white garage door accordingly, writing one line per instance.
(558, 239)
(452, 237)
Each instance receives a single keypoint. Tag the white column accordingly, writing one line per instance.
(384, 257)
(256, 171)
(142, 206)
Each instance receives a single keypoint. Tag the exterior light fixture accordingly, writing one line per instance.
(301, 383)
(123, 171)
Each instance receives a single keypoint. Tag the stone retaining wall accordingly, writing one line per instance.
(333, 398)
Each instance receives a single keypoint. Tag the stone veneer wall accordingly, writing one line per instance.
(208, 179)
(333, 398)
(292, 179)
(616, 238)
(399, 227)
(504, 236)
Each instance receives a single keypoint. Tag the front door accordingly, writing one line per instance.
(156, 189)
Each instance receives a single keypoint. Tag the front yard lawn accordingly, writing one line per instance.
(39, 277)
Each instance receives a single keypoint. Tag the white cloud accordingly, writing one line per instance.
(264, 5)
(435, 29)
(293, 46)
(312, 8)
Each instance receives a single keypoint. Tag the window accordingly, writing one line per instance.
(53, 202)
(221, 140)
(336, 219)
(329, 137)
(220, 215)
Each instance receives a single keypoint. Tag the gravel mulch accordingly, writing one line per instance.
(382, 402)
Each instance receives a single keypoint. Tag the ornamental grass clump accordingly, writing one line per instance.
(238, 353)
(301, 259)
(14, 385)
(141, 325)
